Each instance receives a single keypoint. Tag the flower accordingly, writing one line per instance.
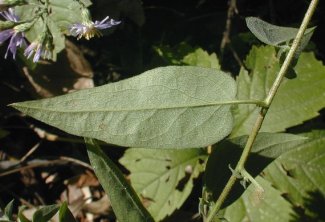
(17, 38)
(90, 29)
(40, 49)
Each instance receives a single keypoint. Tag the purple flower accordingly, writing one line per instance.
(16, 37)
(91, 29)
(39, 50)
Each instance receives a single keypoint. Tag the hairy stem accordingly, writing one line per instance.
(263, 110)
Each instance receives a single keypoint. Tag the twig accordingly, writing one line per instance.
(30, 152)
(263, 110)
(226, 34)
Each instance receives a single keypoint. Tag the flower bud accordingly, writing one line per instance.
(6, 25)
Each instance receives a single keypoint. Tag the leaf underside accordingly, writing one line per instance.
(166, 107)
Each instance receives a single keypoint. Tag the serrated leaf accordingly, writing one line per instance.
(272, 34)
(297, 100)
(182, 107)
(297, 175)
(301, 170)
(44, 214)
(268, 206)
(125, 202)
(163, 178)
(202, 59)
(65, 214)
(266, 148)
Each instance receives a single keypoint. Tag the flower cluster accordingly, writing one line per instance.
(13, 30)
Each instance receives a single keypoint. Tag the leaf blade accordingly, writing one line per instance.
(168, 107)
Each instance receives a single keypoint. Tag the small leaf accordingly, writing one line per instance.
(201, 58)
(275, 35)
(296, 101)
(44, 214)
(167, 107)
(163, 178)
(124, 200)
(266, 148)
(8, 210)
(21, 215)
(65, 214)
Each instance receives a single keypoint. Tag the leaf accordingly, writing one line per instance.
(253, 206)
(202, 59)
(297, 175)
(163, 178)
(8, 211)
(275, 35)
(301, 170)
(44, 214)
(65, 214)
(184, 54)
(167, 107)
(125, 202)
(297, 100)
(3, 133)
(21, 215)
(266, 148)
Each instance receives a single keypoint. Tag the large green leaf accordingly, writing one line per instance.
(45, 213)
(297, 100)
(164, 178)
(266, 148)
(168, 107)
(124, 200)
(298, 175)
(268, 206)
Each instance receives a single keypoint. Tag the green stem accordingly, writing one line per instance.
(263, 110)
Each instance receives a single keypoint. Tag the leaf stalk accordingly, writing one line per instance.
(263, 110)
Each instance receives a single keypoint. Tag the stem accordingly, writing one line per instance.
(263, 110)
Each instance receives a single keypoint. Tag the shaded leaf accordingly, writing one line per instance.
(21, 215)
(182, 107)
(8, 211)
(44, 214)
(202, 59)
(3, 133)
(163, 178)
(301, 170)
(65, 214)
(296, 101)
(266, 148)
(124, 200)
(269, 206)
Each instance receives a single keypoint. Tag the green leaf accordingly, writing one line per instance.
(124, 200)
(297, 100)
(184, 54)
(3, 133)
(182, 107)
(44, 214)
(21, 215)
(274, 35)
(298, 177)
(65, 214)
(202, 59)
(301, 170)
(163, 178)
(8, 211)
(268, 206)
(266, 148)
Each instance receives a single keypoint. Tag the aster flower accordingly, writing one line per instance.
(42, 48)
(17, 38)
(89, 29)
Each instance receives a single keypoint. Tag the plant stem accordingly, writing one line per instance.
(263, 110)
